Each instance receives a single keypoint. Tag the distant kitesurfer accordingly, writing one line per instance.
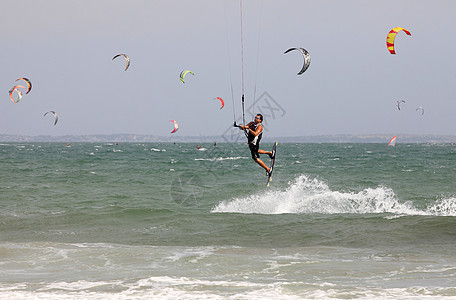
(255, 132)
(198, 147)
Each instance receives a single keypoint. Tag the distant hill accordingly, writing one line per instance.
(134, 138)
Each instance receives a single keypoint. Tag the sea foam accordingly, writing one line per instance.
(311, 195)
(443, 207)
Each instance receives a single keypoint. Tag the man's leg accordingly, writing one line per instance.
(265, 152)
(261, 163)
(254, 151)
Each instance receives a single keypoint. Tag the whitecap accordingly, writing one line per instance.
(220, 158)
(307, 195)
(443, 207)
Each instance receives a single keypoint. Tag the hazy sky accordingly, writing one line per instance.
(351, 87)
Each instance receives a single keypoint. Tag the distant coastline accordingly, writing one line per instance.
(136, 138)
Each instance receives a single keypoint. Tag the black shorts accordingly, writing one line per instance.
(254, 150)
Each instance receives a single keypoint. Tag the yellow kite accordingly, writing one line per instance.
(392, 35)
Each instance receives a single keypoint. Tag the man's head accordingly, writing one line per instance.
(258, 118)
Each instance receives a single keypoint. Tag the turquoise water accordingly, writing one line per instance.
(170, 221)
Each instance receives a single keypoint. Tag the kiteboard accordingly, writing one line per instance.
(272, 163)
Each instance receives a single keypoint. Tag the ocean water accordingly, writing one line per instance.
(168, 221)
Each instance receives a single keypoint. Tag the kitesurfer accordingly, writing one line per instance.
(255, 132)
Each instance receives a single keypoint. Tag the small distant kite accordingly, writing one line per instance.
(391, 37)
(399, 104)
(422, 110)
(176, 126)
(19, 93)
(56, 117)
(29, 83)
(127, 59)
(221, 101)
(392, 142)
(306, 56)
(183, 73)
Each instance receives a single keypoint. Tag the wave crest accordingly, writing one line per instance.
(311, 195)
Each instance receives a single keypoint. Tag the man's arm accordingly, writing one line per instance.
(245, 126)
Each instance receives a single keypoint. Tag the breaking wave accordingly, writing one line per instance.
(311, 195)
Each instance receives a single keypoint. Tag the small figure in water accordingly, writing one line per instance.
(198, 147)
(255, 132)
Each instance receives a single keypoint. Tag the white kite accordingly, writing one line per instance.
(422, 110)
(56, 117)
(399, 104)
